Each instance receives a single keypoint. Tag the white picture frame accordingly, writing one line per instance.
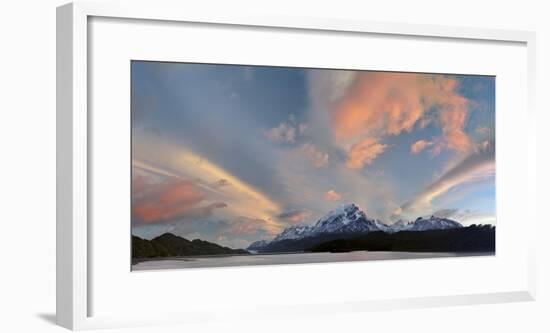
(74, 285)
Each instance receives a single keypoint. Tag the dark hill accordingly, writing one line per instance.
(170, 245)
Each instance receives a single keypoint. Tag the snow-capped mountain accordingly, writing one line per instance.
(346, 218)
(432, 223)
(349, 219)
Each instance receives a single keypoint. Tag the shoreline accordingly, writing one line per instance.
(136, 261)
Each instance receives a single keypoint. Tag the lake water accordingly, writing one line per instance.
(286, 258)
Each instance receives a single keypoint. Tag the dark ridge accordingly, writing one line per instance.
(475, 238)
(170, 245)
(304, 244)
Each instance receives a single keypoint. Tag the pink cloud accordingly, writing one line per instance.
(364, 152)
(452, 123)
(419, 146)
(380, 104)
(332, 195)
(170, 200)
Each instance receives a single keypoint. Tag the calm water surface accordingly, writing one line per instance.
(287, 258)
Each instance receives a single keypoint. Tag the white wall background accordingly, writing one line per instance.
(27, 167)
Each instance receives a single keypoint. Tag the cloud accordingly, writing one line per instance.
(466, 216)
(177, 161)
(452, 123)
(284, 133)
(295, 216)
(139, 184)
(171, 199)
(483, 146)
(477, 166)
(332, 195)
(317, 157)
(446, 212)
(201, 212)
(244, 226)
(326, 87)
(221, 182)
(378, 104)
(419, 146)
(364, 152)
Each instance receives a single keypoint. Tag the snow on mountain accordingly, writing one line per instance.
(258, 244)
(433, 223)
(294, 232)
(350, 219)
(400, 225)
(383, 227)
(346, 218)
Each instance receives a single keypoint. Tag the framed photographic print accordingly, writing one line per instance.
(206, 156)
(256, 165)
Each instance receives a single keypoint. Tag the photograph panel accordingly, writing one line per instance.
(236, 165)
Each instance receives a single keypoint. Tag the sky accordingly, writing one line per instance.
(232, 154)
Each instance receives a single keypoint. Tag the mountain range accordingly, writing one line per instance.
(346, 228)
(344, 222)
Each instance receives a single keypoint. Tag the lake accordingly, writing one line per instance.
(286, 258)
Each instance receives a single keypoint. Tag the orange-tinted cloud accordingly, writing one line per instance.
(378, 102)
(179, 162)
(382, 103)
(419, 146)
(452, 124)
(332, 195)
(364, 152)
(170, 200)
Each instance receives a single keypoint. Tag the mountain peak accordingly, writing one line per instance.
(433, 223)
(348, 210)
(346, 207)
(349, 205)
(169, 236)
(346, 218)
